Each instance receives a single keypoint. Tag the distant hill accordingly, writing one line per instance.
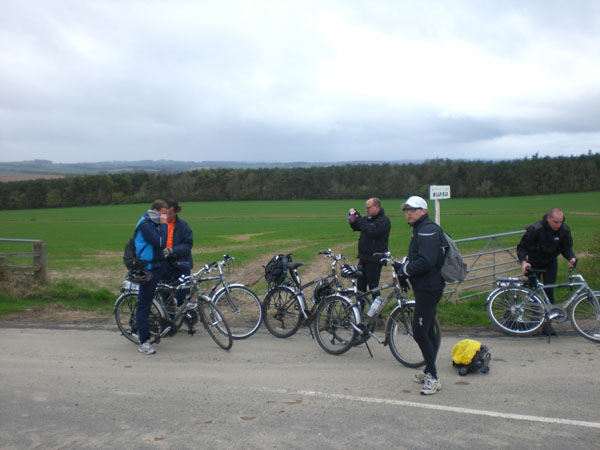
(41, 168)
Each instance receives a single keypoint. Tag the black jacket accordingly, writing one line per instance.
(425, 256)
(374, 235)
(540, 245)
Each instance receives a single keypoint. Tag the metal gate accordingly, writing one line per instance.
(495, 259)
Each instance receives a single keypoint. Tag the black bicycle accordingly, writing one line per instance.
(285, 308)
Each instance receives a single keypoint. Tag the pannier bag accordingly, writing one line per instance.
(470, 355)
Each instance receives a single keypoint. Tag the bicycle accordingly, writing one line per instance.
(285, 308)
(241, 308)
(166, 317)
(341, 323)
(521, 307)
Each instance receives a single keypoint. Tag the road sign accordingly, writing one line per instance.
(437, 193)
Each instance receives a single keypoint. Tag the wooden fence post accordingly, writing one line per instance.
(39, 261)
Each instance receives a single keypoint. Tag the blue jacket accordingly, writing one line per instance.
(150, 240)
(183, 241)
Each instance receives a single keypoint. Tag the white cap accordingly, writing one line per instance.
(415, 202)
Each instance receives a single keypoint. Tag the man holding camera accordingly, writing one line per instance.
(374, 235)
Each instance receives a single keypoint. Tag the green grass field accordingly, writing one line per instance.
(86, 243)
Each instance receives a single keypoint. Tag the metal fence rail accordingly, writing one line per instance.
(495, 259)
(38, 255)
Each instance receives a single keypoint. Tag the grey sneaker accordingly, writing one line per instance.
(420, 377)
(432, 385)
(146, 348)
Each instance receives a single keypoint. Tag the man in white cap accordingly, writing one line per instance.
(423, 269)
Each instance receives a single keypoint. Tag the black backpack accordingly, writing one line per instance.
(276, 269)
(130, 259)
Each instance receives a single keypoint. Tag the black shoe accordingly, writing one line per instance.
(548, 330)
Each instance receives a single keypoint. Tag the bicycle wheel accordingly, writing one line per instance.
(281, 312)
(335, 325)
(585, 317)
(215, 324)
(125, 308)
(516, 310)
(399, 334)
(242, 310)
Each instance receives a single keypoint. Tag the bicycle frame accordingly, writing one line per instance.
(397, 294)
(185, 283)
(213, 292)
(554, 312)
(298, 287)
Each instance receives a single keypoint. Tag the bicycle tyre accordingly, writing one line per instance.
(399, 333)
(215, 324)
(585, 317)
(516, 310)
(335, 325)
(125, 308)
(246, 319)
(281, 312)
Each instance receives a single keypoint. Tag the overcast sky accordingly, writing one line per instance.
(298, 80)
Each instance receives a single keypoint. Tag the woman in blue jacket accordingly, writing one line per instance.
(150, 241)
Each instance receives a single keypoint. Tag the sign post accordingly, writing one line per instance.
(437, 193)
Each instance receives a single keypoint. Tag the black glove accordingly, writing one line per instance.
(399, 267)
(404, 284)
(167, 252)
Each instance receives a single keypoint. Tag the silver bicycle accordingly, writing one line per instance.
(521, 307)
(241, 308)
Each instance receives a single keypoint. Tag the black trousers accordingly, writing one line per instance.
(548, 277)
(423, 327)
(371, 272)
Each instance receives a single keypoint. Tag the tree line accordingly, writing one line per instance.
(529, 176)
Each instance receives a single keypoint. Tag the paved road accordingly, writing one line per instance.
(87, 387)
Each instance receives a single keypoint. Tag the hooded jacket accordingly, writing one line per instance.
(540, 245)
(150, 239)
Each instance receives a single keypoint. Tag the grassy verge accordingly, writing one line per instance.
(64, 293)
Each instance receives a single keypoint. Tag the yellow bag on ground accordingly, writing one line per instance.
(470, 354)
(464, 351)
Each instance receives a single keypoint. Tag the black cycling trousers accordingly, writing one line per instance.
(371, 272)
(548, 277)
(423, 327)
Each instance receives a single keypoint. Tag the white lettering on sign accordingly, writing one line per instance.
(439, 192)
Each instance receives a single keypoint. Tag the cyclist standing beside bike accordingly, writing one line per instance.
(150, 241)
(423, 269)
(539, 249)
(374, 235)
